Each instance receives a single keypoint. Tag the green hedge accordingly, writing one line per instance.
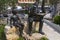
(57, 20)
(2, 34)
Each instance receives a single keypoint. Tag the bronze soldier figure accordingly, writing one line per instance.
(16, 21)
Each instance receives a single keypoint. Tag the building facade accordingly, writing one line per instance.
(26, 1)
(32, 1)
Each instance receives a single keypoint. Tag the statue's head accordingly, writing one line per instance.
(14, 11)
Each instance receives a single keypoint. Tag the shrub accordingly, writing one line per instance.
(43, 38)
(2, 34)
(57, 20)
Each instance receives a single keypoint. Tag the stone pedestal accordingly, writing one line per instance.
(11, 33)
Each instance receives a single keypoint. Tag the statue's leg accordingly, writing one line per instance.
(30, 21)
(41, 25)
(21, 27)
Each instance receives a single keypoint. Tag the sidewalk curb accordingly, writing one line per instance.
(54, 26)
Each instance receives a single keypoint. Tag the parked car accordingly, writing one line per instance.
(5, 15)
(46, 8)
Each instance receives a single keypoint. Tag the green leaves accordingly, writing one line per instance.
(57, 20)
(53, 1)
(4, 3)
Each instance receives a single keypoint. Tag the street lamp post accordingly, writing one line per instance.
(42, 7)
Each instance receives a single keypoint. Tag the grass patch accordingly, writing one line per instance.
(2, 34)
(21, 38)
(44, 38)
